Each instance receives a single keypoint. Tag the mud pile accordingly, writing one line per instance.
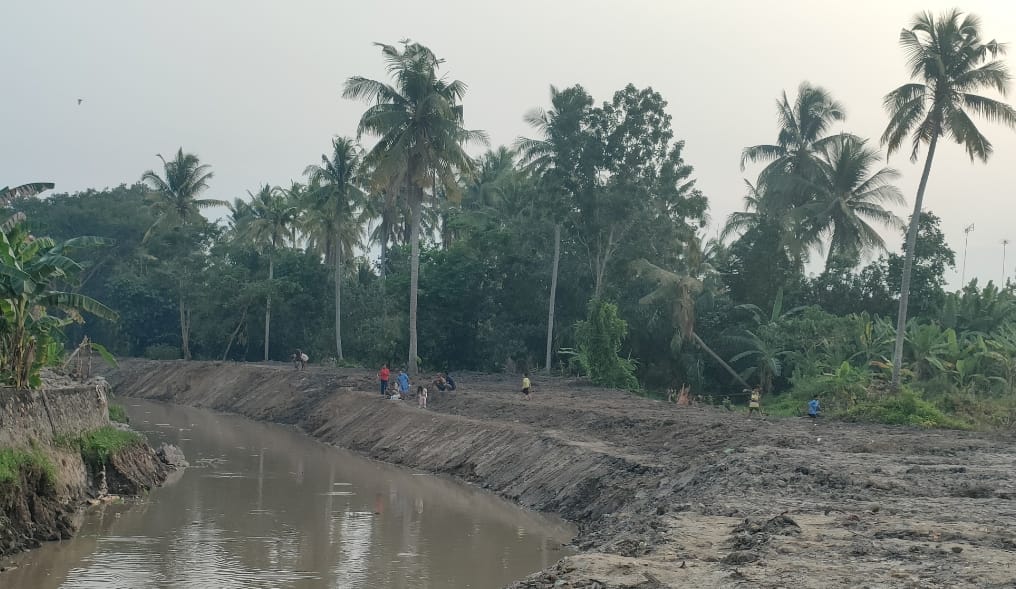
(663, 496)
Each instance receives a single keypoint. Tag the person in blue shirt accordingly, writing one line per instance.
(814, 409)
(403, 380)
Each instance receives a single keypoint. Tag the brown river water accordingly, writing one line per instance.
(263, 506)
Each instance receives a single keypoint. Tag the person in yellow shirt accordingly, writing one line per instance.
(755, 402)
(527, 386)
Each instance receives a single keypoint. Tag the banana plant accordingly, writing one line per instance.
(766, 359)
(926, 345)
(30, 269)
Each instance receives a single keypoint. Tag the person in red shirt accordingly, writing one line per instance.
(384, 374)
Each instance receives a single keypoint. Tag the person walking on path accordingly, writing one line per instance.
(527, 385)
(421, 396)
(814, 408)
(383, 375)
(755, 402)
(403, 380)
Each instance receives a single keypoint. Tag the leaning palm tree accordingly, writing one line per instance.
(680, 290)
(421, 138)
(334, 219)
(951, 60)
(271, 219)
(174, 197)
(846, 197)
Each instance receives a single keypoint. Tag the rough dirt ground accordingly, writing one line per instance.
(664, 496)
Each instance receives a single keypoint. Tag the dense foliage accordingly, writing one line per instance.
(579, 248)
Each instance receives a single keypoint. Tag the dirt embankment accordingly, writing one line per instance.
(43, 499)
(663, 496)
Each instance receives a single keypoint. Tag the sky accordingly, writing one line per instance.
(254, 88)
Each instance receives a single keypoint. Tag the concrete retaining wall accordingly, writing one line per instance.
(41, 415)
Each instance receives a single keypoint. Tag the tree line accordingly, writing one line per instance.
(579, 248)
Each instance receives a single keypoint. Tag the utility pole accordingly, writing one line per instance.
(1005, 242)
(966, 242)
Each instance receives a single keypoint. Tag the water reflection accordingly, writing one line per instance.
(264, 506)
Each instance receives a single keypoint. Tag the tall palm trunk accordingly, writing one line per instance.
(908, 262)
(337, 258)
(553, 295)
(184, 327)
(719, 360)
(268, 304)
(414, 274)
(232, 336)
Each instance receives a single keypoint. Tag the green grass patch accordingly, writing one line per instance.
(98, 445)
(118, 413)
(906, 408)
(847, 399)
(14, 462)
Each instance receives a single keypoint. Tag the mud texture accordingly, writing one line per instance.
(663, 496)
(35, 508)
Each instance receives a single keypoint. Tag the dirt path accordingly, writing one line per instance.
(664, 496)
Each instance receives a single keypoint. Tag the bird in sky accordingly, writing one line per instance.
(80, 100)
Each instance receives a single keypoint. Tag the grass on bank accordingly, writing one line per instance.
(13, 462)
(118, 413)
(97, 446)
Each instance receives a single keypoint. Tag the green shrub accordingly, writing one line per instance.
(599, 338)
(98, 445)
(162, 352)
(13, 462)
(838, 391)
(118, 413)
(905, 408)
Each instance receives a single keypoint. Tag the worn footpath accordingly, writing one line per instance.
(663, 496)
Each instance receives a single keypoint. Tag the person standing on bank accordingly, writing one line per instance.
(755, 402)
(383, 375)
(527, 385)
(403, 380)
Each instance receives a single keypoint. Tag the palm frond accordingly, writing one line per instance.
(9, 194)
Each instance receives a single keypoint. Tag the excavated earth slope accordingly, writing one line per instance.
(663, 496)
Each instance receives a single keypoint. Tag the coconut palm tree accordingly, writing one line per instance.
(556, 158)
(174, 197)
(334, 218)
(847, 197)
(772, 202)
(271, 218)
(950, 60)
(803, 128)
(681, 290)
(419, 125)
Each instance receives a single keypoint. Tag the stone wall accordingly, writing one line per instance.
(41, 415)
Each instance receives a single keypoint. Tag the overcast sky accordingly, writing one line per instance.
(254, 88)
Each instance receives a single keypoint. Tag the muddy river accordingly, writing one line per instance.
(266, 506)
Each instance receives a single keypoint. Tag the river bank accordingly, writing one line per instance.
(58, 452)
(662, 496)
